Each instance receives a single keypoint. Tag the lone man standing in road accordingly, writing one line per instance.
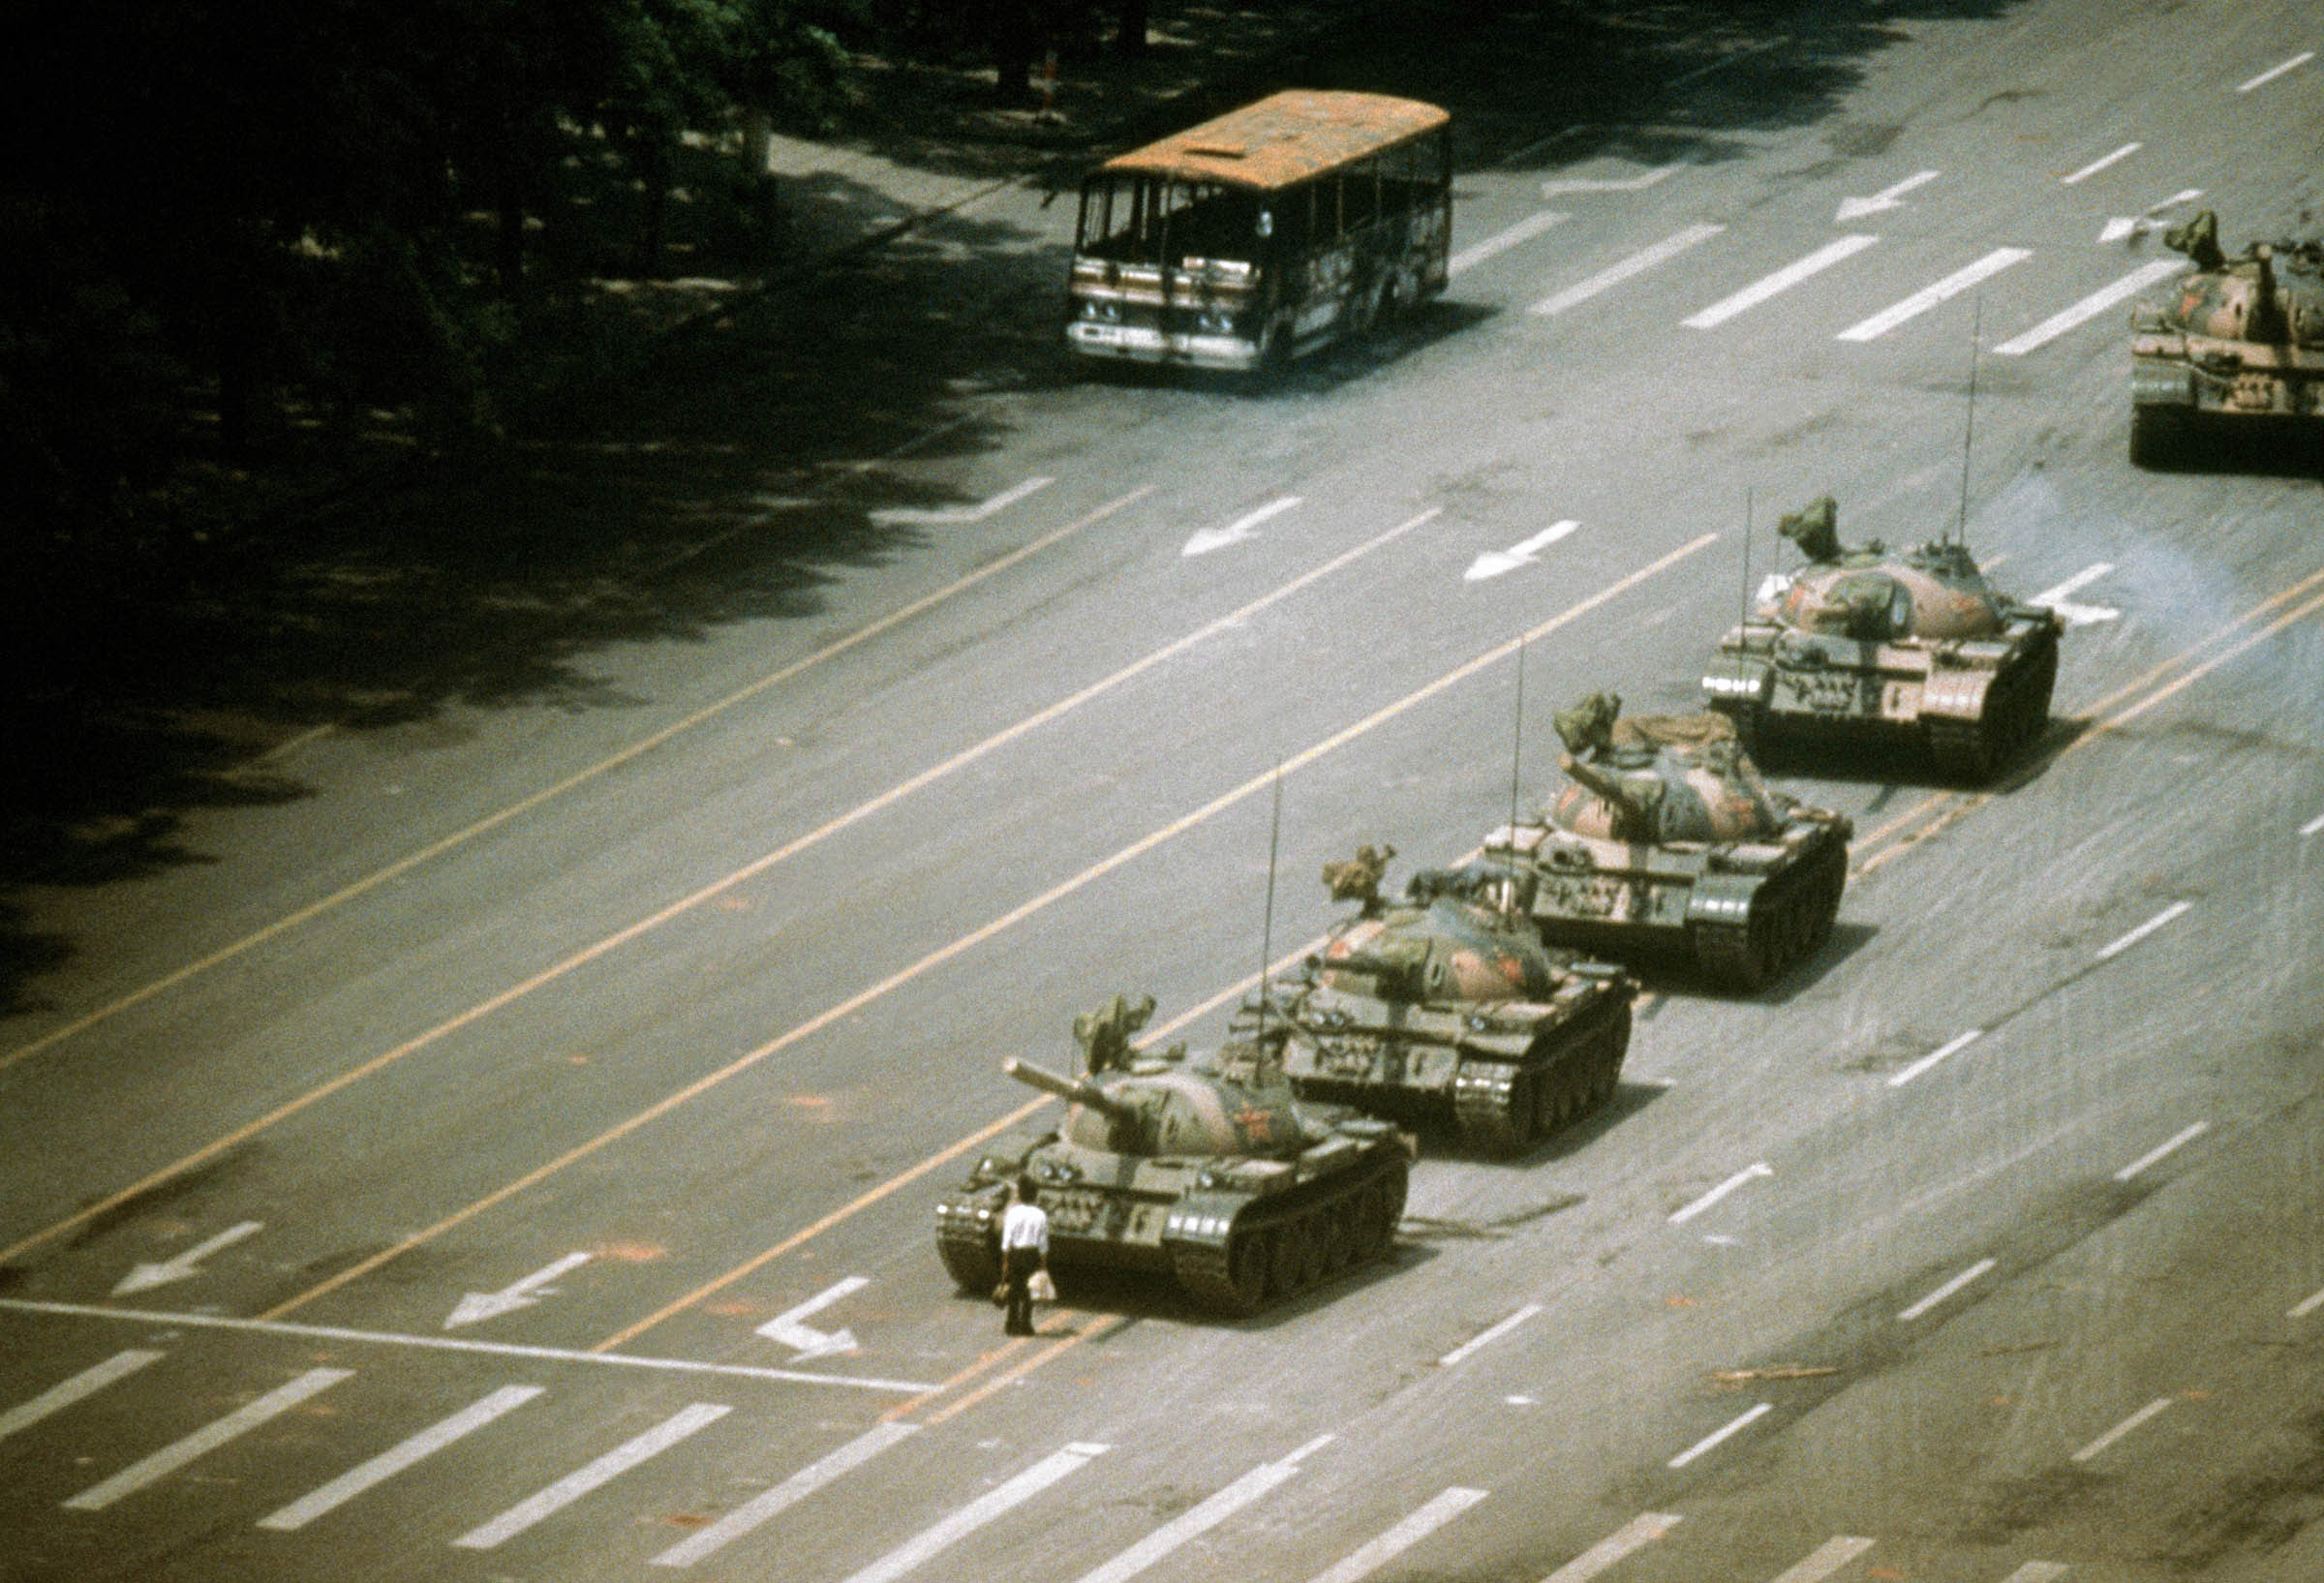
(1024, 1249)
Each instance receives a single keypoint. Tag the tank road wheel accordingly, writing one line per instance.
(1246, 1271)
(1287, 1259)
(1336, 1233)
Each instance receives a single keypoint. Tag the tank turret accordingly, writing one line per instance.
(2241, 337)
(1666, 841)
(1446, 1007)
(1211, 1170)
(1864, 643)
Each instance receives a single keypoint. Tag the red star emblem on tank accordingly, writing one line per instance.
(1255, 1123)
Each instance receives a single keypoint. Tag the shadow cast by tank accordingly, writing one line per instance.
(1135, 1295)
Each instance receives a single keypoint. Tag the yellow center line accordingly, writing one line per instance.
(969, 941)
(1008, 1377)
(1952, 807)
(715, 888)
(405, 865)
(2115, 722)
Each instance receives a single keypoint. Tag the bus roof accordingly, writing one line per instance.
(1283, 138)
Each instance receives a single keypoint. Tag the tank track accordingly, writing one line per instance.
(1506, 1107)
(1282, 1247)
(974, 1263)
(2017, 710)
(1791, 918)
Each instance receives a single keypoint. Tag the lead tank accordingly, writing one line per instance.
(1863, 644)
(1448, 1007)
(1210, 1171)
(2238, 338)
(1667, 842)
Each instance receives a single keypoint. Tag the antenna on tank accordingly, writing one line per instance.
(1267, 930)
(1969, 429)
(1743, 618)
(1516, 745)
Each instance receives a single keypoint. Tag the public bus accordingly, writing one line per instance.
(1256, 238)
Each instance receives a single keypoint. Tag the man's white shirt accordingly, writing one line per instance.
(1025, 1226)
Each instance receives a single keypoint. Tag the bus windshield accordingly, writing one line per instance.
(1133, 217)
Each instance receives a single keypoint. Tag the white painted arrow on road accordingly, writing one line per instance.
(1630, 184)
(1235, 532)
(1856, 208)
(479, 1307)
(1523, 553)
(947, 516)
(2125, 226)
(2078, 615)
(145, 1277)
(810, 1342)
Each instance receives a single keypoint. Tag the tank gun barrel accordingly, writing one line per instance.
(1606, 783)
(1080, 1091)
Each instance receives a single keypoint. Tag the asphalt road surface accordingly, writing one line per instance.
(515, 1159)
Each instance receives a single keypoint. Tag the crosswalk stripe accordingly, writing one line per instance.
(1635, 1534)
(1783, 280)
(1637, 264)
(63, 1394)
(933, 1540)
(605, 1469)
(171, 1457)
(2091, 306)
(395, 1459)
(2038, 1571)
(1199, 1519)
(763, 1507)
(1524, 230)
(1368, 1559)
(1928, 296)
(1823, 1561)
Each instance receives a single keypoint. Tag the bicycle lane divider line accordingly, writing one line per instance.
(975, 937)
(951, 1151)
(718, 887)
(436, 849)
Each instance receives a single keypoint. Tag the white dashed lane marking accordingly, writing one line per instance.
(1747, 1174)
(1952, 1045)
(1980, 1267)
(1782, 281)
(2120, 1429)
(1489, 1337)
(1201, 1518)
(2162, 1150)
(932, 1541)
(205, 1439)
(1825, 1559)
(582, 1481)
(1500, 242)
(1928, 296)
(87, 1382)
(1720, 1436)
(2101, 162)
(2091, 306)
(1637, 264)
(1361, 1563)
(2117, 947)
(395, 1459)
(764, 1505)
(1635, 1534)
(2275, 72)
